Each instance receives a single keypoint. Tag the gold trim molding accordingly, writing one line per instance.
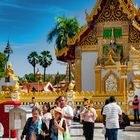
(89, 48)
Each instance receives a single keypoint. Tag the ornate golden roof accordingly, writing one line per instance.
(136, 25)
(128, 8)
(110, 61)
(61, 52)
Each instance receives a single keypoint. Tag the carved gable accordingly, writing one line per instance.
(134, 35)
(111, 12)
(90, 38)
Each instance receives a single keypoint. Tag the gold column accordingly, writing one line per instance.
(98, 81)
(77, 74)
(123, 91)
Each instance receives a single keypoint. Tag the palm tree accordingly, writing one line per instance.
(45, 60)
(33, 60)
(64, 28)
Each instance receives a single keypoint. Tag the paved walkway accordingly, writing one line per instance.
(77, 132)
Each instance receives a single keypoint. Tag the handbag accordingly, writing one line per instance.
(66, 134)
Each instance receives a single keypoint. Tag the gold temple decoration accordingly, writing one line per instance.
(61, 52)
(110, 60)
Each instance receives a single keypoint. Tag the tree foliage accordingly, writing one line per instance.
(64, 28)
(45, 59)
(3, 60)
(33, 60)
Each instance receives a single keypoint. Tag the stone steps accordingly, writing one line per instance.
(134, 127)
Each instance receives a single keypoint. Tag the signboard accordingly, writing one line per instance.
(7, 108)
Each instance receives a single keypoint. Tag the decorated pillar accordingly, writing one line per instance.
(123, 91)
(70, 94)
(98, 80)
(77, 73)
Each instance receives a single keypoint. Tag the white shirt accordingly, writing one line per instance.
(112, 112)
(67, 110)
(46, 118)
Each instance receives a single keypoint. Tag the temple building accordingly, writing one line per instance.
(105, 54)
(100, 52)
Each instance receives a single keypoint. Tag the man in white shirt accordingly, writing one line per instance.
(33, 103)
(67, 110)
(111, 115)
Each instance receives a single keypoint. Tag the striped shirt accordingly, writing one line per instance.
(112, 112)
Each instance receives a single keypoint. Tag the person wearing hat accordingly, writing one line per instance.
(57, 125)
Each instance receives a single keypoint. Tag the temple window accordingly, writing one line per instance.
(107, 33)
(117, 32)
(111, 84)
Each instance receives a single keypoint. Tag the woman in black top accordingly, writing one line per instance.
(35, 128)
(57, 125)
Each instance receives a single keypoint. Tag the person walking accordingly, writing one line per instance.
(111, 116)
(136, 109)
(57, 125)
(89, 116)
(107, 101)
(35, 128)
(47, 116)
(67, 111)
(33, 103)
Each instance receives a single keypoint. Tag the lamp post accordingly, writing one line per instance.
(8, 50)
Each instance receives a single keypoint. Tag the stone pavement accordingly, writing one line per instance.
(76, 133)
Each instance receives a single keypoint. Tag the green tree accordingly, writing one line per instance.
(64, 28)
(45, 59)
(33, 60)
(29, 77)
(3, 61)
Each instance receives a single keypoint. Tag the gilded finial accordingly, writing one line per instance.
(71, 86)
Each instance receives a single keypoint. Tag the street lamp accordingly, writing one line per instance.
(8, 50)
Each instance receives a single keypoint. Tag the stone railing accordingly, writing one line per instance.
(78, 98)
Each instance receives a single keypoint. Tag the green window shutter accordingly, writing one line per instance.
(107, 33)
(118, 32)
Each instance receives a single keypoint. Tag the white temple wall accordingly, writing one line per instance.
(3, 83)
(87, 70)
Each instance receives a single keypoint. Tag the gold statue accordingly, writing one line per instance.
(10, 71)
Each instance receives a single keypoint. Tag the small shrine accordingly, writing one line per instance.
(9, 84)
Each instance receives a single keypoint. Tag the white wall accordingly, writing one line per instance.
(3, 83)
(87, 70)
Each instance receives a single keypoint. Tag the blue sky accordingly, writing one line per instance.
(26, 24)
